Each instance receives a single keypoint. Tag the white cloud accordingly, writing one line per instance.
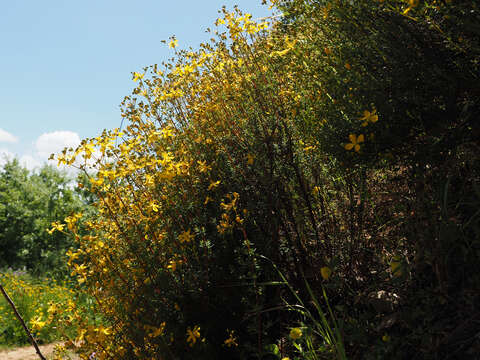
(30, 162)
(7, 137)
(5, 156)
(55, 142)
(46, 144)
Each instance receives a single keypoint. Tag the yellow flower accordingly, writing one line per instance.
(355, 142)
(325, 272)
(385, 338)
(186, 236)
(213, 185)
(296, 333)
(172, 265)
(272, 3)
(137, 76)
(231, 341)
(202, 166)
(36, 323)
(167, 132)
(396, 266)
(369, 117)
(158, 331)
(154, 206)
(412, 4)
(193, 335)
(173, 44)
(96, 182)
(250, 159)
(56, 226)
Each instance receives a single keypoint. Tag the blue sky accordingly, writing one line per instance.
(66, 65)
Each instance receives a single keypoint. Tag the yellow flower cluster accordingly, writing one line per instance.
(164, 197)
(193, 335)
(43, 302)
(231, 340)
(369, 117)
(145, 172)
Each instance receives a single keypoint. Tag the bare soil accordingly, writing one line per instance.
(27, 353)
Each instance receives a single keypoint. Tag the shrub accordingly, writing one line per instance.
(303, 142)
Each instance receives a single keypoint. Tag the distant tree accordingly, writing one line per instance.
(29, 203)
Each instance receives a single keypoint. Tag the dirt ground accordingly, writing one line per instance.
(27, 353)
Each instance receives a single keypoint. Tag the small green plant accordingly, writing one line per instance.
(320, 324)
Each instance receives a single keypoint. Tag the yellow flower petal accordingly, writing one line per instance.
(296, 333)
(366, 115)
(325, 272)
(396, 266)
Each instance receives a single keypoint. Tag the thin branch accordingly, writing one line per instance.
(19, 317)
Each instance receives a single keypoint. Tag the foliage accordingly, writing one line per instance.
(315, 141)
(418, 63)
(29, 203)
(39, 301)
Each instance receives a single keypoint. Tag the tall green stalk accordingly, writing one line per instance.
(327, 329)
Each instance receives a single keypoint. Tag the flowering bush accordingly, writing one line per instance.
(274, 139)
